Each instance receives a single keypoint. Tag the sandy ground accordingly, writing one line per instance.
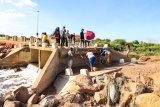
(150, 68)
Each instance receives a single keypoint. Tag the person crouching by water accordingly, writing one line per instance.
(70, 58)
(91, 59)
(45, 38)
(103, 54)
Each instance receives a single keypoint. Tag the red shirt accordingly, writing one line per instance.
(57, 35)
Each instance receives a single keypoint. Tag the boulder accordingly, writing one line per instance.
(33, 99)
(78, 98)
(126, 98)
(8, 103)
(117, 74)
(147, 100)
(48, 101)
(1, 101)
(147, 80)
(100, 97)
(82, 79)
(22, 94)
(99, 86)
(68, 104)
(2, 55)
(106, 78)
(87, 89)
(42, 97)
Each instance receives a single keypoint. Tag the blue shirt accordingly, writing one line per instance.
(104, 51)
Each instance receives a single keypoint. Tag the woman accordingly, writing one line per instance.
(57, 36)
(91, 59)
(45, 38)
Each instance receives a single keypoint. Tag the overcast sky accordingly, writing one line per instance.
(126, 19)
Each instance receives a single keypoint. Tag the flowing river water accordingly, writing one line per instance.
(11, 80)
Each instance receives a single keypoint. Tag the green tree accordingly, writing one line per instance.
(118, 44)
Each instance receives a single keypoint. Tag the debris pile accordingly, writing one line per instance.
(5, 48)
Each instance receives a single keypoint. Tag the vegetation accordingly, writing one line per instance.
(2, 35)
(138, 48)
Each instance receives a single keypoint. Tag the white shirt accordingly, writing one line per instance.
(89, 55)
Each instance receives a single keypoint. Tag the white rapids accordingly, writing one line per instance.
(11, 80)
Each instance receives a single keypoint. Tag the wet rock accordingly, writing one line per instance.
(8, 103)
(22, 94)
(33, 99)
(100, 97)
(17, 69)
(1, 101)
(49, 101)
(82, 79)
(68, 104)
(149, 100)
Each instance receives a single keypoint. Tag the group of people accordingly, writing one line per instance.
(64, 38)
(104, 57)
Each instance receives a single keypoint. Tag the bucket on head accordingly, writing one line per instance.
(44, 44)
(69, 72)
(121, 61)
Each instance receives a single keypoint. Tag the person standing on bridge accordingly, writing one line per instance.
(82, 41)
(45, 38)
(57, 35)
(63, 36)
